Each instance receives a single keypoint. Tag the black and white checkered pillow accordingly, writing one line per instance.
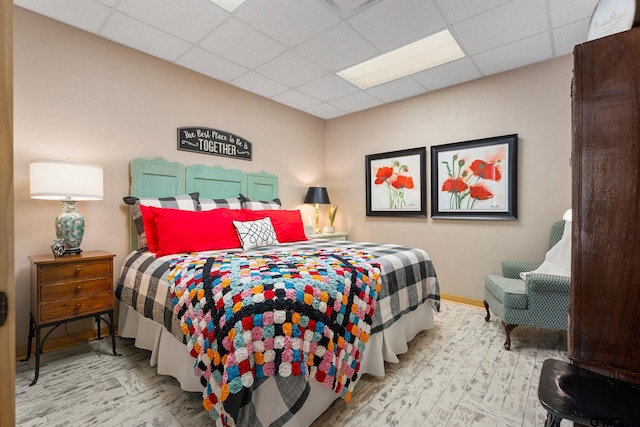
(210, 204)
(185, 202)
(255, 234)
(259, 205)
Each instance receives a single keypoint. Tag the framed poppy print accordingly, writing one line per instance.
(475, 179)
(396, 183)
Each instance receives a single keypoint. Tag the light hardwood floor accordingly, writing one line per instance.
(456, 374)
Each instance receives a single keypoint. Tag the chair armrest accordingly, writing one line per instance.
(548, 298)
(512, 269)
(547, 283)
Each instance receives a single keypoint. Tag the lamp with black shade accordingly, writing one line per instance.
(318, 196)
(68, 182)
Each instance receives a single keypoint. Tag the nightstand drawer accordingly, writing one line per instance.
(76, 288)
(74, 270)
(73, 307)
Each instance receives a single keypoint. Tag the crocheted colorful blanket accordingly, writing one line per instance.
(247, 316)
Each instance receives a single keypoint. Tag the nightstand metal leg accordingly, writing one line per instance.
(32, 331)
(38, 351)
(112, 331)
(98, 319)
(35, 331)
(40, 346)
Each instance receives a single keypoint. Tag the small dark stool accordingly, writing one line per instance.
(585, 397)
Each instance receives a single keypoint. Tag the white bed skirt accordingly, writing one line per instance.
(171, 357)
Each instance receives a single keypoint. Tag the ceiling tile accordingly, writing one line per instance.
(296, 99)
(515, 55)
(288, 49)
(328, 88)
(138, 35)
(87, 15)
(338, 48)
(355, 102)
(455, 11)
(452, 73)
(396, 90)
(564, 12)
(189, 21)
(565, 38)
(325, 111)
(242, 44)
(258, 84)
(229, 5)
(346, 8)
(387, 26)
(505, 24)
(288, 21)
(211, 65)
(291, 69)
(109, 2)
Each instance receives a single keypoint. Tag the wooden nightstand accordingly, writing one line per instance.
(338, 235)
(69, 288)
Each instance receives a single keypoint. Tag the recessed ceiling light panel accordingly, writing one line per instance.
(429, 52)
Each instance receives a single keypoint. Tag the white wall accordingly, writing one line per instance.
(83, 97)
(533, 102)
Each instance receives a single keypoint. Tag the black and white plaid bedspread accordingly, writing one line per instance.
(408, 280)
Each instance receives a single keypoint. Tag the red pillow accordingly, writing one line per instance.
(150, 229)
(192, 231)
(287, 224)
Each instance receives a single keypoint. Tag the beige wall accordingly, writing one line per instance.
(533, 102)
(83, 97)
(80, 96)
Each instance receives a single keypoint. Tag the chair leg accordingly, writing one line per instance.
(486, 307)
(507, 331)
(552, 420)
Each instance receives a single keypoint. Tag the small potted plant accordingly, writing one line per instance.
(332, 217)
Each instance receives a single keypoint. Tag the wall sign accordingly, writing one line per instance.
(213, 141)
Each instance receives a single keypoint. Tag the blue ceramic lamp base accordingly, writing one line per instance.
(70, 227)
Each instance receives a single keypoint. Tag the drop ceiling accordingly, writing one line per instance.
(290, 50)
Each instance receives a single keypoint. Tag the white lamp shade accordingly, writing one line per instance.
(64, 180)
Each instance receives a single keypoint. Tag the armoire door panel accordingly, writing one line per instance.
(605, 301)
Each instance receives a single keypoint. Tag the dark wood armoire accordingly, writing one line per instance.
(604, 329)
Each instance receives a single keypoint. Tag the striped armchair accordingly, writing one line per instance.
(542, 300)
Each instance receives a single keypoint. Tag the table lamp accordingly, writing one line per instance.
(68, 182)
(317, 196)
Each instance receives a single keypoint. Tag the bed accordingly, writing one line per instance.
(394, 294)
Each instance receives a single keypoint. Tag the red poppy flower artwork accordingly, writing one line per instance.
(383, 174)
(467, 183)
(402, 181)
(454, 185)
(479, 192)
(397, 179)
(486, 170)
(475, 179)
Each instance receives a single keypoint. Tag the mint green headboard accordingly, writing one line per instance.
(160, 178)
(156, 178)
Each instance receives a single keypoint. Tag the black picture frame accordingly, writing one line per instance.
(475, 179)
(396, 183)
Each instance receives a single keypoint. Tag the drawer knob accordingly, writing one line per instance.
(78, 307)
(78, 289)
(77, 271)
